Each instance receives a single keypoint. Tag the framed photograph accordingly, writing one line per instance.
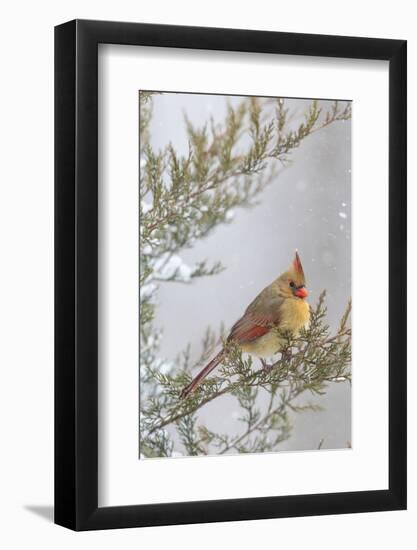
(230, 253)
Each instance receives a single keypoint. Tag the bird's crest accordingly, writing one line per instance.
(296, 270)
(296, 264)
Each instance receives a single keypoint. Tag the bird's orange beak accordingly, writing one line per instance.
(301, 292)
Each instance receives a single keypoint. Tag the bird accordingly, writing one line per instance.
(279, 307)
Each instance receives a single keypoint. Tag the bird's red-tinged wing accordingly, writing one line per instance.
(250, 327)
(260, 316)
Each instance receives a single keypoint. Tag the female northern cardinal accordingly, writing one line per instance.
(281, 306)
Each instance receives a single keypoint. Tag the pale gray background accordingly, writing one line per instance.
(307, 207)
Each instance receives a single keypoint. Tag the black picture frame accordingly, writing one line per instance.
(76, 272)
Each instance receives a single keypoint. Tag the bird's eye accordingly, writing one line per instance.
(292, 284)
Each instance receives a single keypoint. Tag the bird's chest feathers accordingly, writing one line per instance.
(294, 315)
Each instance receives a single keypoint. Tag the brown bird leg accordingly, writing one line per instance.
(286, 354)
(265, 366)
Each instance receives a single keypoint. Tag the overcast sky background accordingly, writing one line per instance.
(307, 207)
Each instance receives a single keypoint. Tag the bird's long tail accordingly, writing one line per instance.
(201, 375)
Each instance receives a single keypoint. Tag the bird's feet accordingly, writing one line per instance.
(286, 354)
(265, 366)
